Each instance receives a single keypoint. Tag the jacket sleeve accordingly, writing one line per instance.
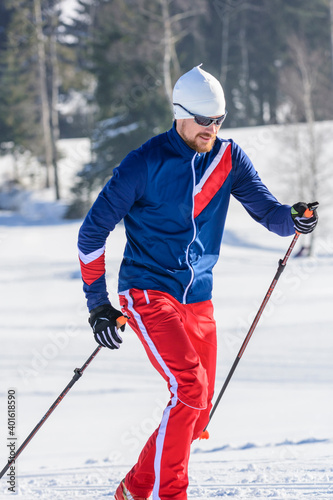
(256, 198)
(114, 201)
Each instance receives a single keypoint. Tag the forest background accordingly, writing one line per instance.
(105, 69)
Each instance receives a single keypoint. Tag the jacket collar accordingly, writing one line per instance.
(182, 148)
(178, 143)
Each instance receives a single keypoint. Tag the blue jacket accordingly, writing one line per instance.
(174, 203)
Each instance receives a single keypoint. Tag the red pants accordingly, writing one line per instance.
(180, 341)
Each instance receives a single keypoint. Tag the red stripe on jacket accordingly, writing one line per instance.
(94, 270)
(214, 182)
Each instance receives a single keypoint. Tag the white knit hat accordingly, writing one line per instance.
(199, 92)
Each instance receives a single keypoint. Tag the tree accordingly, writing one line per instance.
(169, 17)
(301, 82)
(34, 71)
(331, 25)
(245, 61)
(76, 71)
(24, 85)
(44, 99)
(54, 90)
(4, 23)
(18, 92)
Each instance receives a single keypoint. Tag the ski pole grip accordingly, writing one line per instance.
(308, 213)
(122, 320)
(311, 207)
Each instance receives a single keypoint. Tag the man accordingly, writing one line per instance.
(173, 193)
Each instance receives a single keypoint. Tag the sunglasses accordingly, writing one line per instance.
(204, 121)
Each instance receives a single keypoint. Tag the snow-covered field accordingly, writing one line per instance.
(272, 435)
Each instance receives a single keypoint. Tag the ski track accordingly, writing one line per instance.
(261, 482)
(255, 475)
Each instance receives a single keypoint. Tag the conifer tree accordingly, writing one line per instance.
(18, 103)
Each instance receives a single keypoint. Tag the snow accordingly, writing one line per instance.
(271, 436)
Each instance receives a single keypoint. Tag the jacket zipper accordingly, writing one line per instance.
(194, 234)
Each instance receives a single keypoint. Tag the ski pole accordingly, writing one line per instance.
(281, 267)
(77, 374)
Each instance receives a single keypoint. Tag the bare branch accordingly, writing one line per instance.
(184, 15)
(151, 15)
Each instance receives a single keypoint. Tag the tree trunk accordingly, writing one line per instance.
(331, 19)
(225, 48)
(307, 87)
(54, 102)
(45, 108)
(244, 73)
(167, 50)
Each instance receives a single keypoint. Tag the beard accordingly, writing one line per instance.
(197, 143)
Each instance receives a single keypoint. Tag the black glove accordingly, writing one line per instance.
(103, 320)
(303, 223)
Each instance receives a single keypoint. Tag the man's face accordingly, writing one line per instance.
(199, 138)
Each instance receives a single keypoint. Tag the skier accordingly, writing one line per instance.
(173, 194)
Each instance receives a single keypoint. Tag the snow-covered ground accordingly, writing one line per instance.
(272, 435)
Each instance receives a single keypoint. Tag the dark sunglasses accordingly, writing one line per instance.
(204, 121)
